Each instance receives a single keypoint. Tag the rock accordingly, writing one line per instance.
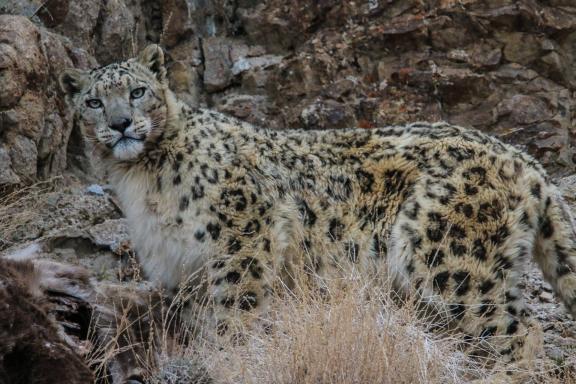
(288, 66)
(109, 234)
(177, 24)
(34, 123)
(53, 13)
(217, 64)
(546, 297)
(246, 107)
(7, 175)
(95, 189)
(115, 38)
(524, 109)
(519, 47)
(23, 154)
(244, 64)
(327, 114)
(80, 23)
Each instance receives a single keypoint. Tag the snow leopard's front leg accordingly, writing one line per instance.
(239, 289)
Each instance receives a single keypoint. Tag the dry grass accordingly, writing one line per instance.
(18, 205)
(356, 334)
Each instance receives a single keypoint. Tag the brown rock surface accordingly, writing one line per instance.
(34, 124)
(505, 67)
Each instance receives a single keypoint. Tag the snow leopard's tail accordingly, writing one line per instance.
(555, 247)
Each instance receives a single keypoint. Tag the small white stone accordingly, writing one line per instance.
(96, 189)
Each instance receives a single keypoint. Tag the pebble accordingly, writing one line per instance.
(546, 297)
(96, 189)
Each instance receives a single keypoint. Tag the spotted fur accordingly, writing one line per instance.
(450, 215)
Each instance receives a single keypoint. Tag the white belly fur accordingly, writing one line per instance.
(167, 255)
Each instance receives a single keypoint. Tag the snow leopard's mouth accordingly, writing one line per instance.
(126, 140)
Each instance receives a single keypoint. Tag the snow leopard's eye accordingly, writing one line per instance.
(94, 103)
(137, 93)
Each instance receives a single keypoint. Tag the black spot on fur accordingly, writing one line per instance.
(266, 244)
(197, 191)
(486, 308)
(434, 234)
(502, 262)
(251, 228)
(235, 196)
(460, 154)
(487, 332)
(352, 249)
(491, 210)
(177, 180)
(184, 202)
(252, 265)
(211, 175)
(479, 251)
(500, 236)
(213, 230)
(227, 302)
(457, 248)
(546, 227)
(535, 190)
(512, 327)
(179, 220)
(307, 214)
(457, 310)
(159, 183)
(486, 286)
(462, 282)
(335, 229)
(234, 245)
(434, 258)
(233, 277)
(466, 209)
(440, 281)
(437, 228)
(248, 301)
(394, 181)
(339, 188)
(199, 235)
(219, 264)
(525, 219)
(470, 189)
(378, 248)
(510, 297)
(457, 232)
(411, 210)
(366, 180)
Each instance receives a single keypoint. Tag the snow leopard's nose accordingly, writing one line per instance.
(120, 124)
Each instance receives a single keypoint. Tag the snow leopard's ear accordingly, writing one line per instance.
(72, 81)
(152, 57)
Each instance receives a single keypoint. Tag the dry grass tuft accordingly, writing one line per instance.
(351, 332)
(18, 205)
(357, 335)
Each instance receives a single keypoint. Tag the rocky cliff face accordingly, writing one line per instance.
(504, 66)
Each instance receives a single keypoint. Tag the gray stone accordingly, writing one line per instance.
(217, 64)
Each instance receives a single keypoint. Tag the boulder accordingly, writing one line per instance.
(34, 122)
